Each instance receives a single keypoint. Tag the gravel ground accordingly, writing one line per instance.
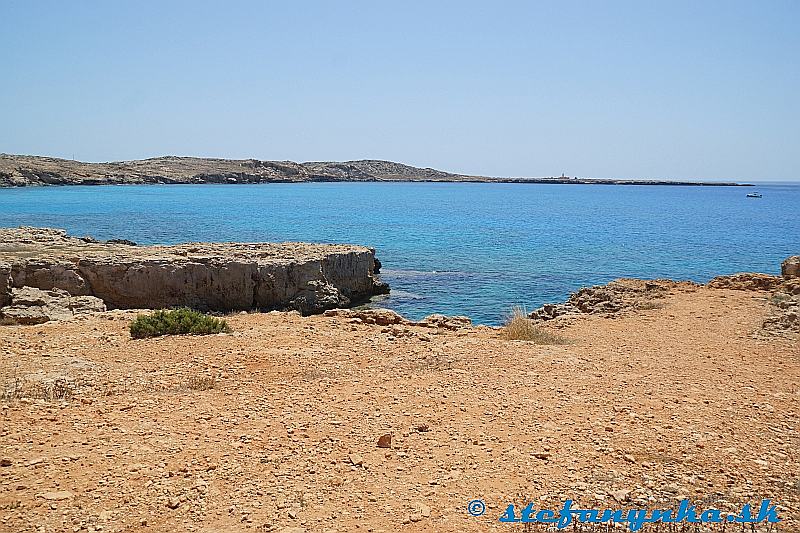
(275, 426)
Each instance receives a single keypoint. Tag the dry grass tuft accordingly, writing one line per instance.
(646, 305)
(519, 327)
(51, 391)
(202, 382)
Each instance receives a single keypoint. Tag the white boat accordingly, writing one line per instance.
(754, 195)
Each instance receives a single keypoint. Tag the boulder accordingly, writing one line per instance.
(447, 322)
(30, 305)
(790, 268)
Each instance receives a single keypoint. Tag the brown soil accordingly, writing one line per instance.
(276, 425)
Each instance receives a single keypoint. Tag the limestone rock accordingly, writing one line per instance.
(57, 495)
(381, 317)
(30, 305)
(448, 322)
(207, 276)
(746, 281)
(615, 297)
(790, 268)
(5, 284)
(387, 317)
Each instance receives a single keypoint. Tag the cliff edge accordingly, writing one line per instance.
(208, 276)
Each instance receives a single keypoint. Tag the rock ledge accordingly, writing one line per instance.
(309, 278)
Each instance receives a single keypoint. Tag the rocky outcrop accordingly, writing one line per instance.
(784, 302)
(34, 306)
(387, 317)
(790, 268)
(746, 281)
(611, 299)
(207, 276)
(622, 295)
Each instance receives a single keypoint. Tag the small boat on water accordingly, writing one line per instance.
(754, 195)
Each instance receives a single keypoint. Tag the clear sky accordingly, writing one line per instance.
(671, 89)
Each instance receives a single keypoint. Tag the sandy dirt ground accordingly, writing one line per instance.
(686, 401)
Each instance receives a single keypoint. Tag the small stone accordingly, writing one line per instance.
(629, 458)
(355, 459)
(542, 455)
(57, 495)
(425, 511)
(173, 503)
(292, 514)
(620, 495)
(415, 517)
(5, 461)
(385, 441)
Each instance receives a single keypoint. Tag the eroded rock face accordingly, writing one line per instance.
(5, 284)
(207, 276)
(30, 305)
(790, 268)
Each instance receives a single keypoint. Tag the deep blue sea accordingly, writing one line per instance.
(474, 249)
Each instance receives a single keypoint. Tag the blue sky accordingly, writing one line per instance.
(673, 89)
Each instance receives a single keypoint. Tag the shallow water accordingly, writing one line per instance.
(455, 248)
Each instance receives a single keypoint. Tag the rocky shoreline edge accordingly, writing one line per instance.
(627, 294)
(46, 274)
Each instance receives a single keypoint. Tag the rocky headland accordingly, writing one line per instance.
(44, 273)
(25, 170)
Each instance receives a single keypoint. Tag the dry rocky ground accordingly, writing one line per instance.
(275, 426)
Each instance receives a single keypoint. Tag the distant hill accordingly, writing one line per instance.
(27, 170)
(22, 170)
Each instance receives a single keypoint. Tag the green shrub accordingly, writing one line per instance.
(176, 322)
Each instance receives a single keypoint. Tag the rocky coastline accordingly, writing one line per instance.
(662, 391)
(45, 273)
(29, 171)
(626, 295)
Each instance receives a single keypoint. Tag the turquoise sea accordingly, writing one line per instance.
(456, 248)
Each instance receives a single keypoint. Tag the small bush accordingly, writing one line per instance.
(177, 322)
(519, 327)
